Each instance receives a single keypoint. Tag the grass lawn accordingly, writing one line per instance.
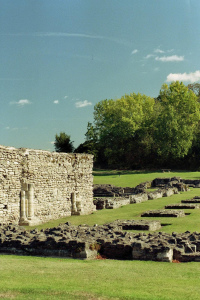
(133, 211)
(133, 178)
(56, 278)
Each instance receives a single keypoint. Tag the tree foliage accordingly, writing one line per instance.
(63, 143)
(177, 121)
(137, 131)
(116, 123)
(195, 87)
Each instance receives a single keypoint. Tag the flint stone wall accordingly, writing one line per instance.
(61, 184)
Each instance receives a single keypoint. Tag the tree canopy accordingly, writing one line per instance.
(116, 123)
(195, 87)
(137, 131)
(177, 121)
(63, 143)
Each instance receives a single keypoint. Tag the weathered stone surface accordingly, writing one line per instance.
(161, 182)
(167, 187)
(182, 187)
(144, 251)
(110, 203)
(155, 195)
(138, 198)
(163, 213)
(109, 240)
(144, 185)
(36, 185)
(175, 182)
(108, 190)
(182, 206)
(170, 191)
(138, 224)
(192, 182)
(193, 200)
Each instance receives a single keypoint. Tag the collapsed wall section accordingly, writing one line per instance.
(37, 185)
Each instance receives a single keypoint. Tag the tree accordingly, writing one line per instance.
(91, 145)
(63, 143)
(116, 123)
(195, 87)
(177, 120)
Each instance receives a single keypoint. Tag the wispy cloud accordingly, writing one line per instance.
(171, 58)
(21, 102)
(55, 101)
(134, 51)
(83, 103)
(65, 97)
(149, 56)
(188, 77)
(69, 35)
(15, 128)
(53, 34)
(158, 51)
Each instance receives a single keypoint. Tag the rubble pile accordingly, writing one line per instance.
(109, 240)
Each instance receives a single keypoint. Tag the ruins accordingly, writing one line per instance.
(110, 240)
(37, 186)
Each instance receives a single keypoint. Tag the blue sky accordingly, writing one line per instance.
(58, 58)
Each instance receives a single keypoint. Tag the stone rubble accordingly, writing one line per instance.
(164, 213)
(193, 200)
(182, 206)
(107, 196)
(109, 240)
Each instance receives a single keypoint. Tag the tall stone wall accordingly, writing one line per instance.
(36, 185)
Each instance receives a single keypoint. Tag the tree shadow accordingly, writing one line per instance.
(101, 172)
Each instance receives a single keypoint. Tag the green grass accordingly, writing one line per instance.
(133, 178)
(133, 211)
(54, 278)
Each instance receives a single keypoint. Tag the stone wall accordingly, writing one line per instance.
(109, 240)
(36, 185)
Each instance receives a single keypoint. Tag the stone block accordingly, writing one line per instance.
(155, 195)
(182, 206)
(165, 255)
(164, 213)
(138, 225)
(138, 198)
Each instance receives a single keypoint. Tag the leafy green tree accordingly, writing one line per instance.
(63, 143)
(92, 145)
(116, 123)
(177, 121)
(195, 87)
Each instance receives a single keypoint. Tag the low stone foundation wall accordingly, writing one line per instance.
(138, 225)
(163, 213)
(109, 196)
(182, 206)
(110, 203)
(108, 240)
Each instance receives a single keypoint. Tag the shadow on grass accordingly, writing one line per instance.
(103, 172)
